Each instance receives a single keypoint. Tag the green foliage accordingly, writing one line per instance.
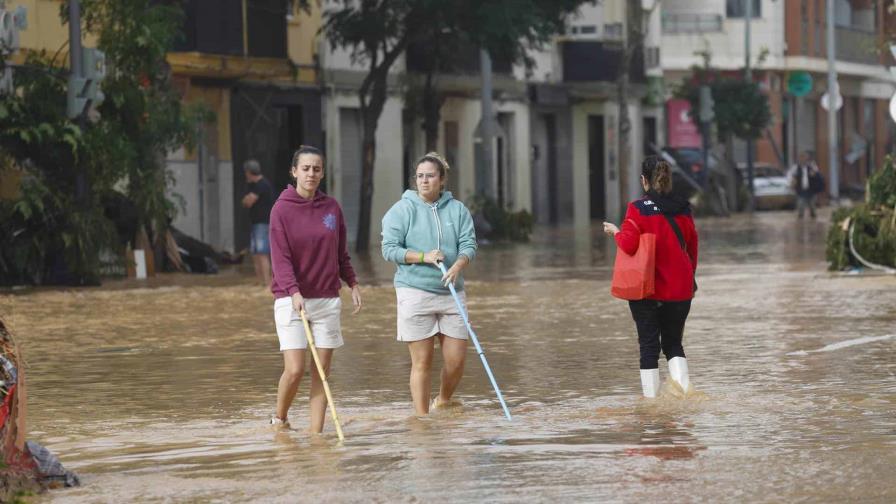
(837, 248)
(882, 185)
(122, 148)
(741, 109)
(44, 229)
(506, 224)
(874, 236)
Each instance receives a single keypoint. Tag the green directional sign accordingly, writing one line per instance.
(799, 83)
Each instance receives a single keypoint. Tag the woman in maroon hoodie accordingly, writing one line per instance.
(309, 258)
(660, 318)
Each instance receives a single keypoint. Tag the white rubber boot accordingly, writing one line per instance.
(650, 382)
(678, 371)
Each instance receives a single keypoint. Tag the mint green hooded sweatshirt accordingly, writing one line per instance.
(413, 224)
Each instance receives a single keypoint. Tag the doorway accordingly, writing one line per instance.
(596, 180)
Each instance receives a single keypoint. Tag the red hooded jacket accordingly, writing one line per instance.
(675, 269)
(309, 252)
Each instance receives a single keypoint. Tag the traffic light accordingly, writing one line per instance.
(84, 91)
(707, 105)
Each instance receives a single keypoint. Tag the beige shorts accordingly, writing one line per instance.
(423, 314)
(323, 317)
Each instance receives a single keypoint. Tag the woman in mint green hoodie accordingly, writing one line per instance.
(425, 227)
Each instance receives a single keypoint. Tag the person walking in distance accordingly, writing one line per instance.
(259, 199)
(807, 180)
(310, 256)
(661, 317)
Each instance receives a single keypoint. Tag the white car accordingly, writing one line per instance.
(771, 186)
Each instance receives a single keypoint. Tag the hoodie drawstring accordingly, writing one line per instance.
(435, 214)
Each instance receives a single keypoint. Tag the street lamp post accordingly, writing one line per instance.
(76, 79)
(833, 94)
(748, 75)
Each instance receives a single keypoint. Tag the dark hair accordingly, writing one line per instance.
(658, 174)
(436, 159)
(306, 149)
(252, 166)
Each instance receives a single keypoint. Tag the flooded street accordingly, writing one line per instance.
(162, 393)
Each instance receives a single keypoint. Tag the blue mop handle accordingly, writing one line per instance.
(488, 370)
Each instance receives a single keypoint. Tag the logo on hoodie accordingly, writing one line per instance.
(330, 221)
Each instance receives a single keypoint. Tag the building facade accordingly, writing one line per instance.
(791, 34)
(252, 64)
(273, 83)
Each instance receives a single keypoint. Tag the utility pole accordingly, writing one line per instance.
(484, 171)
(76, 80)
(74, 37)
(833, 94)
(748, 75)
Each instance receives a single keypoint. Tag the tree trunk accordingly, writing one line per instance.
(625, 127)
(364, 214)
(731, 178)
(634, 41)
(432, 105)
(373, 94)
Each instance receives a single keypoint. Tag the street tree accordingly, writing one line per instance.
(741, 109)
(376, 32)
(379, 31)
(507, 29)
(49, 234)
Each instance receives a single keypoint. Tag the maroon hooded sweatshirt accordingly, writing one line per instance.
(309, 253)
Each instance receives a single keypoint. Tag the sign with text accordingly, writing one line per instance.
(683, 131)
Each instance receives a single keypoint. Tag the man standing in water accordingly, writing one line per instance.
(259, 199)
(807, 180)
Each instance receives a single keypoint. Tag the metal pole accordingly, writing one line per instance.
(74, 37)
(76, 72)
(795, 106)
(245, 29)
(485, 172)
(748, 75)
(833, 92)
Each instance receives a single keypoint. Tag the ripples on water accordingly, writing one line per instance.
(159, 394)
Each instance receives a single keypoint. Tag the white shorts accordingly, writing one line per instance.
(422, 314)
(323, 317)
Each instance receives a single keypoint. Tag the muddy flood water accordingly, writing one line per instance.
(160, 392)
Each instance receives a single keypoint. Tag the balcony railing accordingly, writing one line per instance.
(687, 22)
(857, 46)
(587, 61)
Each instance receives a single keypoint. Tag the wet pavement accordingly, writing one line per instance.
(161, 393)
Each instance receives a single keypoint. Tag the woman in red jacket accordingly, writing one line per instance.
(660, 318)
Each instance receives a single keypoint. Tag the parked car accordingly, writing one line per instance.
(771, 186)
(690, 160)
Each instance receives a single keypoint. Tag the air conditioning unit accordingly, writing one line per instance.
(582, 32)
(613, 31)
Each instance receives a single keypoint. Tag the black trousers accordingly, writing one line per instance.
(660, 326)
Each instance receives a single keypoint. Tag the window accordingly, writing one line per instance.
(738, 8)
(216, 27)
